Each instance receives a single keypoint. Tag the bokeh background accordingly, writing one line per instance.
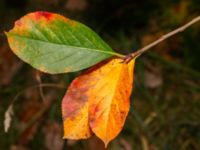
(165, 104)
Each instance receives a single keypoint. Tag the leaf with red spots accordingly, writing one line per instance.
(98, 101)
(55, 44)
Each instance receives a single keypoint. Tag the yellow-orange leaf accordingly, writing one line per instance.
(98, 100)
(109, 99)
(75, 111)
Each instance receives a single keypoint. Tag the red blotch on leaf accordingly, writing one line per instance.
(74, 99)
(44, 14)
(18, 22)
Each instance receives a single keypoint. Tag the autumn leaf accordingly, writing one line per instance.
(98, 101)
(54, 44)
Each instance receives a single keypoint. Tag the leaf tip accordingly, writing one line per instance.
(106, 142)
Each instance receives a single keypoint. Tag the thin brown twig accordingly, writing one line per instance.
(36, 86)
(9, 111)
(144, 142)
(49, 100)
(164, 37)
(38, 78)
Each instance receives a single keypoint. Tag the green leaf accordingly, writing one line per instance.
(55, 44)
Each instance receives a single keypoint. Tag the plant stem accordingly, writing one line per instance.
(20, 93)
(164, 37)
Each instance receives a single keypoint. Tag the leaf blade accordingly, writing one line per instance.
(45, 33)
(109, 110)
(75, 111)
(105, 90)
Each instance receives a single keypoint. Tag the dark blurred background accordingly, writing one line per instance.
(165, 104)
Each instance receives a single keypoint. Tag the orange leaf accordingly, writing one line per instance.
(98, 100)
(75, 108)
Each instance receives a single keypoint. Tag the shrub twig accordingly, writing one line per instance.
(164, 37)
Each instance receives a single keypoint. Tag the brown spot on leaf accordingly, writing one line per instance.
(92, 120)
(123, 114)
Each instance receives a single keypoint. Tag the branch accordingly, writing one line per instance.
(9, 112)
(164, 37)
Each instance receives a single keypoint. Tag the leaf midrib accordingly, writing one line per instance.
(113, 95)
(75, 47)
